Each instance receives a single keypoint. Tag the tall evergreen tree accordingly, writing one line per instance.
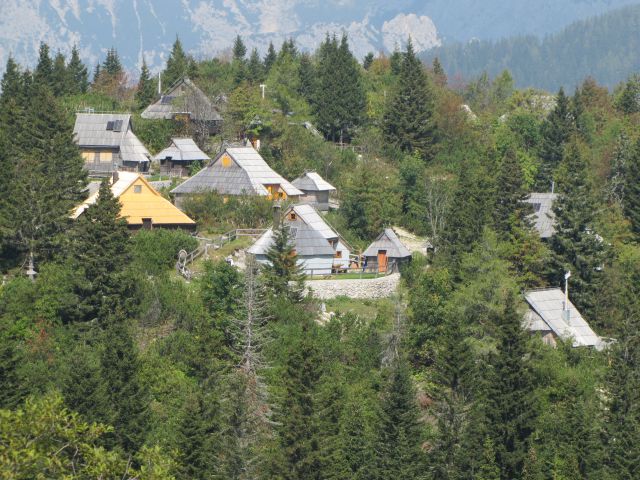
(59, 76)
(255, 69)
(556, 132)
(367, 61)
(340, 100)
(83, 389)
(511, 401)
(438, 72)
(283, 267)
(307, 74)
(239, 62)
(43, 73)
(239, 49)
(631, 200)
(270, 58)
(146, 90)
(576, 245)
(77, 71)
(510, 211)
(408, 121)
(112, 65)
(11, 81)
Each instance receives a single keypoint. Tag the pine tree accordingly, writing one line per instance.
(146, 90)
(11, 81)
(367, 61)
(126, 395)
(438, 72)
(340, 100)
(629, 100)
(59, 76)
(270, 58)
(112, 65)
(408, 121)
(239, 48)
(556, 131)
(288, 49)
(43, 73)
(631, 202)
(100, 248)
(96, 74)
(178, 64)
(239, 63)
(511, 401)
(83, 389)
(255, 69)
(307, 74)
(510, 211)
(576, 246)
(283, 267)
(77, 71)
(12, 388)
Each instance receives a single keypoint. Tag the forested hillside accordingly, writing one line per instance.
(606, 48)
(114, 366)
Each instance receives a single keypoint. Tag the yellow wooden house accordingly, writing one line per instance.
(142, 205)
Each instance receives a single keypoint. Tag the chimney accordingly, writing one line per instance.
(114, 177)
(277, 214)
(566, 313)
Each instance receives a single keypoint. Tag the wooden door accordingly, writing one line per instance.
(382, 260)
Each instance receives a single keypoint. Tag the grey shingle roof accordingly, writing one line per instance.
(312, 182)
(249, 174)
(543, 216)
(389, 241)
(312, 218)
(308, 243)
(110, 130)
(173, 102)
(547, 310)
(182, 149)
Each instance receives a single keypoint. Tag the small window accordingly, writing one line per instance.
(96, 157)
(292, 216)
(226, 161)
(338, 254)
(110, 125)
(117, 126)
(137, 189)
(147, 223)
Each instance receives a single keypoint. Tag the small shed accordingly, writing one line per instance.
(142, 205)
(543, 217)
(386, 252)
(178, 157)
(238, 171)
(320, 249)
(107, 143)
(553, 316)
(316, 190)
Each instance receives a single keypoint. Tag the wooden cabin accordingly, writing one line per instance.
(386, 252)
(142, 205)
(238, 171)
(320, 249)
(178, 157)
(315, 190)
(107, 143)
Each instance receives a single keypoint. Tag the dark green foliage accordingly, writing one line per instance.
(438, 72)
(60, 81)
(146, 91)
(576, 245)
(77, 73)
(112, 65)
(239, 48)
(511, 211)
(629, 100)
(307, 75)
(408, 122)
(43, 74)
(126, 396)
(12, 389)
(255, 68)
(156, 250)
(556, 130)
(211, 210)
(179, 64)
(367, 60)
(631, 196)
(221, 289)
(83, 390)
(283, 266)
(270, 58)
(340, 99)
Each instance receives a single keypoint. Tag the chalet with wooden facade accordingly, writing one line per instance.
(107, 143)
(178, 157)
(315, 189)
(320, 249)
(142, 205)
(184, 101)
(238, 171)
(386, 252)
(552, 315)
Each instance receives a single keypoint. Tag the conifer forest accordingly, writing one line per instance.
(116, 365)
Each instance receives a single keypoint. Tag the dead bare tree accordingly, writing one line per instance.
(437, 198)
(391, 353)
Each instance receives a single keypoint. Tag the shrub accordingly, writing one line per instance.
(156, 250)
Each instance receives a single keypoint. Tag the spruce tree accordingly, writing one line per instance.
(100, 248)
(127, 397)
(43, 73)
(511, 409)
(177, 64)
(239, 63)
(270, 58)
(510, 210)
(83, 388)
(112, 65)
(631, 202)
(556, 132)
(60, 81)
(408, 122)
(146, 90)
(307, 75)
(367, 61)
(96, 75)
(629, 100)
(340, 98)
(576, 245)
(255, 69)
(77, 71)
(438, 72)
(11, 81)
(283, 267)
(239, 49)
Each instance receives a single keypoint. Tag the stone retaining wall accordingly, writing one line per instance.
(355, 288)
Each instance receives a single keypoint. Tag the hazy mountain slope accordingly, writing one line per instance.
(207, 27)
(606, 47)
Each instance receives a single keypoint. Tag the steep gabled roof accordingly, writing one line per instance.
(312, 218)
(389, 241)
(136, 206)
(173, 102)
(312, 182)
(252, 162)
(182, 149)
(547, 313)
(543, 216)
(308, 242)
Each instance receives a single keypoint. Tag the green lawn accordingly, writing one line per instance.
(365, 308)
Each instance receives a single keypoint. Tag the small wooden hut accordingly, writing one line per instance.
(386, 252)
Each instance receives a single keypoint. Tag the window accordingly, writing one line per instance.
(117, 125)
(226, 161)
(338, 254)
(110, 125)
(292, 216)
(137, 189)
(96, 157)
(147, 223)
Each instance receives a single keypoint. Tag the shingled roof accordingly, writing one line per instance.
(389, 241)
(308, 242)
(543, 216)
(182, 149)
(312, 182)
(174, 102)
(547, 313)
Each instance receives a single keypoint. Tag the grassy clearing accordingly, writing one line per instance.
(364, 308)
